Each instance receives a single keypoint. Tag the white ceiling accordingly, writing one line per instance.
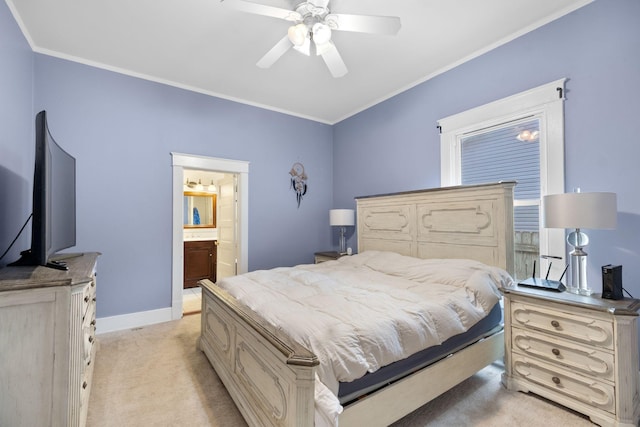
(205, 46)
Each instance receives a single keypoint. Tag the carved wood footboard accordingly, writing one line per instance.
(270, 379)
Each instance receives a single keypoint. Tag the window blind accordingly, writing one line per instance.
(497, 154)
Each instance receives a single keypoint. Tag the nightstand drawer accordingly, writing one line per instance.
(565, 383)
(574, 356)
(575, 327)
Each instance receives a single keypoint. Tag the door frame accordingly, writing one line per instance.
(180, 162)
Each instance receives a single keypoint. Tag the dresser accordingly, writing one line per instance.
(578, 351)
(47, 342)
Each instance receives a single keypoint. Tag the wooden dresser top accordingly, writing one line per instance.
(626, 306)
(81, 270)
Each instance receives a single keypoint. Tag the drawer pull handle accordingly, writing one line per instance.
(555, 351)
(90, 339)
(555, 323)
(86, 299)
(84, 385)
(556, 380)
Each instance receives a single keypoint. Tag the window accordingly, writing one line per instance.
(518, 138)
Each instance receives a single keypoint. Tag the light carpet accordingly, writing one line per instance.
(155, 376)
(191, 303)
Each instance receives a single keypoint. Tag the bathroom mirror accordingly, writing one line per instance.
(199, 210)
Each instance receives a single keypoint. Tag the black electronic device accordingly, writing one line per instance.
(53, 224)
(550, 285)
(546, 284)
(612, 282)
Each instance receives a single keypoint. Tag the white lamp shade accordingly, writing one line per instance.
(297, 34)
(341, 217)
(321, 33)
(579, 210)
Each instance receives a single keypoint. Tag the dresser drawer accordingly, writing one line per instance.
(85, 390)
(575, 327)
(88, 297)
(89, 338)
(565, 383)
(88, 333)
(574, 356)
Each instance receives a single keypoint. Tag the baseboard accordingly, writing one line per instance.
(132, 320)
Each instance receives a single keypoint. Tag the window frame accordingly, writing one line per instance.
(545, 103)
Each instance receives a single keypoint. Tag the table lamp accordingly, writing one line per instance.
(342, 218)
(577, 211)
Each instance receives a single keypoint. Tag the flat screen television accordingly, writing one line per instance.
(53, 225)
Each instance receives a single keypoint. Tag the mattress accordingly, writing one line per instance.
(361, 313)
(372, 381)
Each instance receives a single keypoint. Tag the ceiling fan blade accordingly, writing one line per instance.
(389, 25)
(334, 61)
(275, 53)
(261, 9)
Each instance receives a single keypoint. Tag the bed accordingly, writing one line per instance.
(273, 377)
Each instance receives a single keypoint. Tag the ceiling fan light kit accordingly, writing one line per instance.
(321, 33)
(298, 34)
(313, 22)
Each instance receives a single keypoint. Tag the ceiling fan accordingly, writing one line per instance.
(312, 24)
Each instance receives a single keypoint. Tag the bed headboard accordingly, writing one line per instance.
(473, 222)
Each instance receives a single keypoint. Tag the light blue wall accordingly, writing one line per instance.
(16, 129)
(122, 129)
(394, 146)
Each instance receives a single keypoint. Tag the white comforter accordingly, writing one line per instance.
(362, 312)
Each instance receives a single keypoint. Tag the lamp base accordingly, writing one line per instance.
(579, 291)
(343, 241)
(585, 291)
(578, 256)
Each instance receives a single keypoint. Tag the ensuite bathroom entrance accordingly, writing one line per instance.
(209, 223)
(209, 227)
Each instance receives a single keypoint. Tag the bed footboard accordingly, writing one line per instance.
(270, 378)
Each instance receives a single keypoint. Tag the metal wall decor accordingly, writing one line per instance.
(298, 181)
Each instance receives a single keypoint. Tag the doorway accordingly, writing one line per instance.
(239, 171)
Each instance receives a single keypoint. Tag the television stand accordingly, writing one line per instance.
(56, 262)
(58, 265)
(48, 343)
(26, 259)
(64, 256)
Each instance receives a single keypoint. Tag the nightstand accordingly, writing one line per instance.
(326, 256)
(578, 351)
